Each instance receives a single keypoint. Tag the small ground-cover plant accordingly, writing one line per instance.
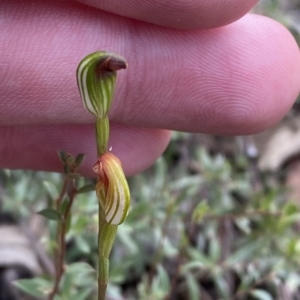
(206, 235)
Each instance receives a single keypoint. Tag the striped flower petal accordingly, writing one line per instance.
(96, 77)
(112, 188)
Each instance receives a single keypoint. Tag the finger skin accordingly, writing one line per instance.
(238, 79)
(182, 14)
(35, 148)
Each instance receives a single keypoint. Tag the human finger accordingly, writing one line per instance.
(35, 147)
(182, 14)
(238, 79)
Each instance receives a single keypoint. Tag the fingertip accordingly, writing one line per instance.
(275, 76)
(252, 83)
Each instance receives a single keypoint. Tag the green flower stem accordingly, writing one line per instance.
(102, 134)
(106, 237)
(107, 232)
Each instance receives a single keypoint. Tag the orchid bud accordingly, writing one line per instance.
(112, 188)
(96, 77)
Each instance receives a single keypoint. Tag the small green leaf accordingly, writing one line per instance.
(67, 286)
(290, 209)
(51, 214)
(243, 224)
(51, 189)
(87, 188)
(192, 287)
(36, 287)
(222, 287)
(83, 295)
(124, 234)
(200, 211)
(80, 267)
(161, 283)
(63, 206)
(200, 257)
(79, 159)
(82, 244)
(261, 295)
(62, 156)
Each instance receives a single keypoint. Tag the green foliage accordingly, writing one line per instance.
(36, 287)
(77, 283)
(50, 214)
(217, 232)
(87, 188)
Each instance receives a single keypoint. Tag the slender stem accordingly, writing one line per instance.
(61, 194)
(61, 253)
(103, 264)
(106, 236)
(107, 232)
(57, 253)
(102, 134)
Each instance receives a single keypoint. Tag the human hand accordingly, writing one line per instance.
(232, 80)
